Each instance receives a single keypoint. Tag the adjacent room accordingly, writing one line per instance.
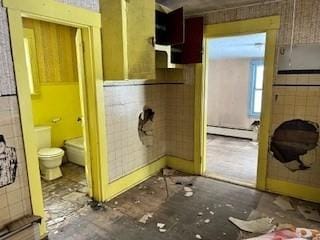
(159, 120)
(234, 95)
(57, 117)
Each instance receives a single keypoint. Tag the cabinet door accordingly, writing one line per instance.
(192, 47)
(175, 25)
(140, 31)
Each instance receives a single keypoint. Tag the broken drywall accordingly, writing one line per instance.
(293, 139)
(145, 126)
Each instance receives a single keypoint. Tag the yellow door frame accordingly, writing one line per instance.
(269, 25)
(89, 22)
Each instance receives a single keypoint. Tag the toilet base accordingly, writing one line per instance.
(51, 174)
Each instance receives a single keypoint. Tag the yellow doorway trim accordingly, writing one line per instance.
(269, 25)
(89, 24)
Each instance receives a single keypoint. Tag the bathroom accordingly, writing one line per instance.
(57, 116)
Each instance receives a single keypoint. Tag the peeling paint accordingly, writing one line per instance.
(293, 139)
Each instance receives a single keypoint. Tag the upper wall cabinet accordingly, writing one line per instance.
(128, 30)
(169, 27)
(178, 40)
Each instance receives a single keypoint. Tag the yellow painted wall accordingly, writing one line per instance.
(59, 89)
(58, 101)
(55, 51)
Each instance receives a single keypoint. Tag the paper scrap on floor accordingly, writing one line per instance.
(309, 213)
(262, 225)
(283, 203)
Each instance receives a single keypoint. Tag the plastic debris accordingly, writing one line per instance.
(262, 225)
(162, 230)
(200, 213)
(212, 213)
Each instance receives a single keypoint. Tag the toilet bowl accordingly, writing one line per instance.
(50, 158)
(50, 161)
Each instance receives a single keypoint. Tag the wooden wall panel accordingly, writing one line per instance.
(56, 53)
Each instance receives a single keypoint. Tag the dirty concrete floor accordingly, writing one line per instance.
(232, 159)
(119, 219)
(63, 197)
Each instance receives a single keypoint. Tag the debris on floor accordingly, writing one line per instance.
(75, 197)
(283, 203)
(161, 228)
(207, 220)
(262, 225)
(168, 172)
(198, 236)
(145, 218)
(287, 234)
(188, 194)
(309, 213)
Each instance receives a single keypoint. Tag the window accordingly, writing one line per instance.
(256, 84)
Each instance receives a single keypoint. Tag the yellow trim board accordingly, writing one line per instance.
(294, 190)
(55, 10)
(243, 26)
(125, 183)
(89, 23)
(186, 166)
(270, 26)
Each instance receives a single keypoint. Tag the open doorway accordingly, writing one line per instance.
(235, 71)
(55, 73)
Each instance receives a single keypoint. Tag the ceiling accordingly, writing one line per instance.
(245, 46)
(197, 6)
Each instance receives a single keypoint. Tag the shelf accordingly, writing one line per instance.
(163, 57)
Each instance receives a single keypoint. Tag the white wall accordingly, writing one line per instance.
(228, 92)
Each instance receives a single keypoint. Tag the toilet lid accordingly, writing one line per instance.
(50, 152)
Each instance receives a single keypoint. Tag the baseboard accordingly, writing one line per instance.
(131, 180)
(125, 183)
(293, 190)
(180, 164)
(231, 132)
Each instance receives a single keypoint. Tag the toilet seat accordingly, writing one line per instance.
(50, 152)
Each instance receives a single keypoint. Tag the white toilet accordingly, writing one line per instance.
(50, 158)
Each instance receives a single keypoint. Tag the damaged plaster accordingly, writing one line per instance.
(293, 139)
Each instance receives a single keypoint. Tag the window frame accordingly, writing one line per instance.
(252, 86)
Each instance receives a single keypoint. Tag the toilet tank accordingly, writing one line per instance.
(43, 135)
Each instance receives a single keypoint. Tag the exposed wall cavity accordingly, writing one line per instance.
(293, 139)
(145, 126)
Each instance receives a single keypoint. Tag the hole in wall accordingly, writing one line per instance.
(293, 139)
(145, 126)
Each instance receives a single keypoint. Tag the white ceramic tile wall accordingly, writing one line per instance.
(172, 103)
(293, 102)
(123, 106)
(14, 198)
